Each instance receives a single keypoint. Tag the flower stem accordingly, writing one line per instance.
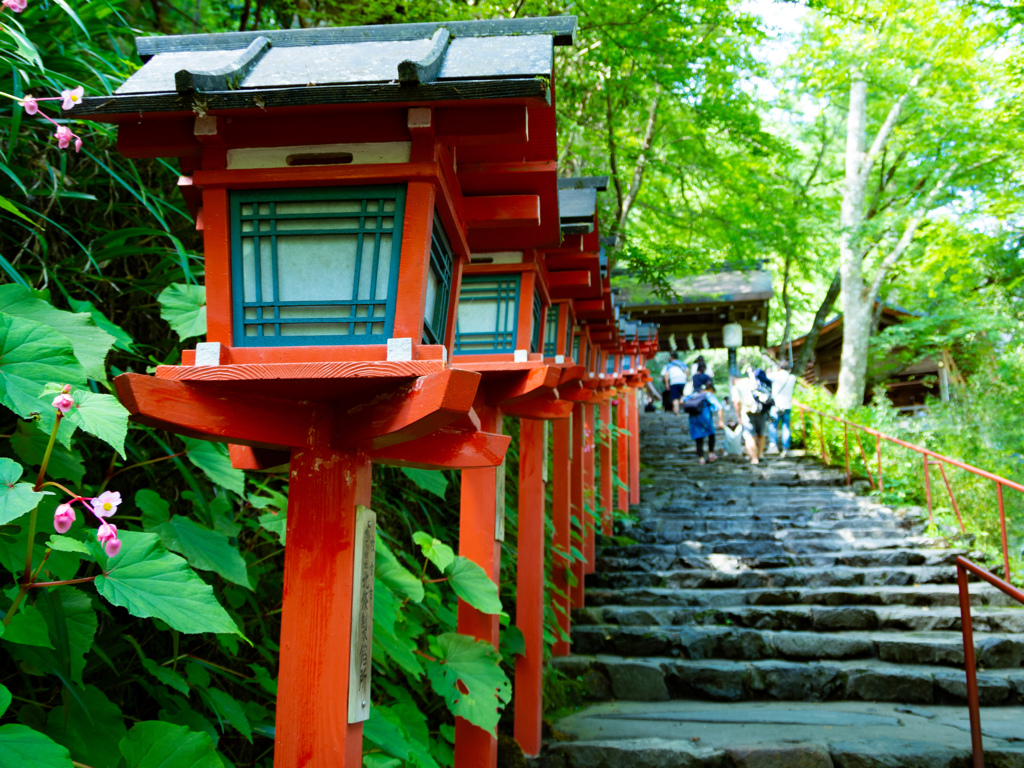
(46, 455)
(62, 583)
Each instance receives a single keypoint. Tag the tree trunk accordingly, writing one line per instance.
(804, 356)
(788, 329)
(852, 296)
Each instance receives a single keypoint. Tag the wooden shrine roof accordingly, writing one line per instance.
(703, 304)
(409, 63)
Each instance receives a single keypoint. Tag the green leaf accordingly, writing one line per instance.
(90, 344)
(476, 665)
(380, 761)
(72, 623)
(229, 709)
(122, 340)
(430, 480)
(91, 728)
(68, 544)
(512, 643)
(394, 576)
(28, 627)
(5, 697)
(213, 459)
(155, 508)
(150, 582)
(437, 552)
(29, 442)
(184, 308)
(102, 416)
(164, 675)
(385, 734)
(205, 549)
(154, 744)
(16, 499)
(472, 584)
(23, 747)
(276, 523)
(10, 207)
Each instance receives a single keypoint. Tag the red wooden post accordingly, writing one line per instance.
(634, 448)
(475, 747)
(622, 450)
(607, 500)
(561, 515)
(312, 722)
(928, 487)
(530, 586)
(576, 499)
(589, 487)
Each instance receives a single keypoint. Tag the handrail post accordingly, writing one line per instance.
(821, 439)
(952, 498)
(973, 704)
(1002, 525)
(878, 451)
(928, 488)
(864, 458)
(846, 450)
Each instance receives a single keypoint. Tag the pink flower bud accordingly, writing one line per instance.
(106, 503)
(63, 136)
(107, 536)
(30, 104)
(71, 97)
(63, 518)
(17, 6)
(78, 144)
(63, 403)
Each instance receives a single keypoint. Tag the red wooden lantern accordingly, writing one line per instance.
(320, 166)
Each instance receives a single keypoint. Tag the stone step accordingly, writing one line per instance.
(994, 651)
(793, 543)
(776, 578)
(604, 678)
(682, 557)
(738, 532)
(807, 618)
(602, 600)
(845, 734)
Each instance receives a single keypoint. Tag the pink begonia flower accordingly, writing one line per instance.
(71, 97)
(106, 503)
(63, 136)
(16, 5)
(63, 402)
(78, 144)
(63, 518)
(107, 535)
(30, 104)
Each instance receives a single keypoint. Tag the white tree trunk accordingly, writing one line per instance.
(852, 298)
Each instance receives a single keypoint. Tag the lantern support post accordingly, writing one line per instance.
(576, 474)
(622, 448)
(589, 488)
(478, 542)
(634, 448)
(561, 515)
(529, 676)
(607, 500)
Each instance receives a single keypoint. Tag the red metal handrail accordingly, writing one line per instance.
(963, 566)
(927, 457)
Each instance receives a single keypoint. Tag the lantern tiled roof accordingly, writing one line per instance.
(427, 62)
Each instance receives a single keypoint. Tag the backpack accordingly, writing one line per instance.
(695, 403)
(762, 397)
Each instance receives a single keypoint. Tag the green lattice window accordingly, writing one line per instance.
(538, 315)
(610, 366)
(551, 332)
(487, 314)
(576, 347)
(439, 286)
(315, 266)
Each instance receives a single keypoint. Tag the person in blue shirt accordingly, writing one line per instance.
(702, 425)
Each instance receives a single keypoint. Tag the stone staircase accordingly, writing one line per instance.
(772, 616)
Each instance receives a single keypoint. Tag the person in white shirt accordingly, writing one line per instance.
(674, 376)
(749, 413)
(783, 385)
